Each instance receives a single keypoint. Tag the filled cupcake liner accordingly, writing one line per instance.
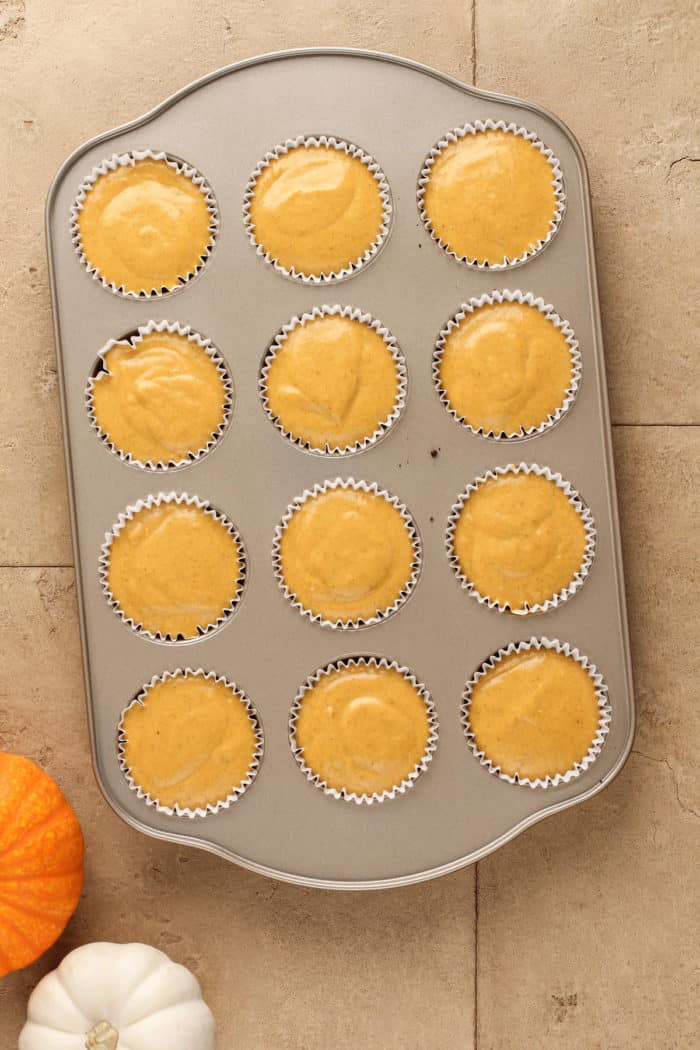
(133, 339)
(473, 129)
(525, 299)
(329, 142)
(180, 499)
(576, 502)
(129, 160)
(604, 709)
(375, 663)
(358, 486)
(384, 426)
(236, 792)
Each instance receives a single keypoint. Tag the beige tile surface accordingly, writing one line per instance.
(657, 471)
(585, 924)
(282, 968)
(624, 77)
(588, 925)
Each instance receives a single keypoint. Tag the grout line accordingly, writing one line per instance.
(473, 42)
(476, 956)
(62, 566)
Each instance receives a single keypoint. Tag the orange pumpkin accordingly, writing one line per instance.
(41, 862)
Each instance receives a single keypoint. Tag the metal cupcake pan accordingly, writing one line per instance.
(223, 126)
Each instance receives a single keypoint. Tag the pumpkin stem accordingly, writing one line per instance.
(102, 1037)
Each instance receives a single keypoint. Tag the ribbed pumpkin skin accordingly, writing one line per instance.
(41, 862)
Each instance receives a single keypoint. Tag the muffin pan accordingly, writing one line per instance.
(224, 125)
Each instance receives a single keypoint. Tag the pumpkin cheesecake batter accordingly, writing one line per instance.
(363, 729)
(144, 227)
(331, 382)
(190, 742)
(174, 570)
(535, 713)
(316, 209)
(346, 555)
(490, 196)
(505, 368)
(160, 399)
(519, 540)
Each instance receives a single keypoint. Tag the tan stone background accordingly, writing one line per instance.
(582, 933)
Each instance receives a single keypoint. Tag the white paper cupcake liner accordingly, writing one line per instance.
(358, 486)
(180, 499)
(133, 339)
(526, 299)
(601, 690)
(384, 426)
(473, 129)
(236, 792)
(377, 663)
(574, 499)
(129, 160)
(329, 142)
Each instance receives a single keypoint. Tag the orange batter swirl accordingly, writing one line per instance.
(161, 399)
(346, 554)
(332, 382)
(534, 714)
(519, 540)
(174, 570)
(190, 742)
(144, 226)
(363, 729)
(316, 209)
(490, 197)
(505, 368)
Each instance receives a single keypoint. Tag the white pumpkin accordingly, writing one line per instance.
(118, 997)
